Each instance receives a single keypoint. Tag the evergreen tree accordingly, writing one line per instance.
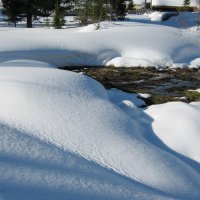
(35, 8)
(94, 11)
(13, 10)
(121, 9)
(59, 16)
(117, 9)
(82, 9)
(131, 5)
(31, 9)
(98, 12)
(90, 11)
(186, 3)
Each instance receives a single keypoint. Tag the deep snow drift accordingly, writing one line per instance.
(62, 130)
(135, 42)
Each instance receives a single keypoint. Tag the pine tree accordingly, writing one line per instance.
(82, 9)
(121, 9)
(98, 12)
(117, 9)
(131, 5)
(31, 9)
(36, 8)
(94, 11)
(13, 10)
(186, 3)
(59, 17)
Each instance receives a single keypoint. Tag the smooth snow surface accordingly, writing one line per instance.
(26, 63)
(137, 41)
(62, 136)
(156, 16)
(178, 122)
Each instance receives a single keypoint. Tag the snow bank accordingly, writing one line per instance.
(137, 42)
(178, 126)
(72, 112)
(195, 63)
(26, 63)
(156, 16)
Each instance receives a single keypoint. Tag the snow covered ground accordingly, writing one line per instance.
(139, 41)
(63, 135)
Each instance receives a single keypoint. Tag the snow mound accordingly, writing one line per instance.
(195, 63)
(156, 16)
(135, 42)
(117, 97)
(26, 63)
(178, 126)
(88, 28)
(129, 62)
(73, 112)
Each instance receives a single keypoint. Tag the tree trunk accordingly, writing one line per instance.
(29, 20)
(29, 14)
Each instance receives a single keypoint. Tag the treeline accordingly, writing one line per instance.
(86, 11)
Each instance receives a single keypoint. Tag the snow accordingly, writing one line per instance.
(156, 16)
(171, 3)
(62, 134)
(195, 63)
(26, 63)
(135, 42)
(186, 130)
(197, 90)
(138, 2)
(118, 96)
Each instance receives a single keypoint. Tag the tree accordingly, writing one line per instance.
(98, 12)
(90, 11)
(36, 8)
(13, 10)
(59, 15)
(117, 9)
(198, 19)
(82, 9)
(131, 5)
(186, 3)
(94, 11)
(121, 9)
(30, 9)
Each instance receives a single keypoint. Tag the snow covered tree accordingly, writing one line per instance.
(59, 15)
